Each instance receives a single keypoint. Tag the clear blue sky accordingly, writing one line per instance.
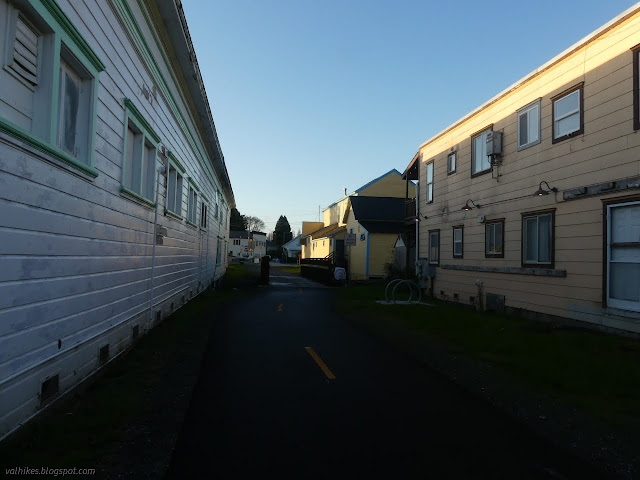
(313, 96)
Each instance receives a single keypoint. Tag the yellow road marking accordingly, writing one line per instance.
(320, 363)
(280, 307)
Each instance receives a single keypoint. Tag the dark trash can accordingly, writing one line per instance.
(264, 269)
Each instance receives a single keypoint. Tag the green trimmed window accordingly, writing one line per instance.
(139, 164)
(192, 207)
(49, 76)
(204, 213)
(175, 181)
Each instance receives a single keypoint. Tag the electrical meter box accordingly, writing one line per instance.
(494, 143)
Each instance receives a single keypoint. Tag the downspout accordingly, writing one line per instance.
(161, 170)
(417, 211)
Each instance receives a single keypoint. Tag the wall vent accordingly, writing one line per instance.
(135, 332)
(442, 292)
(49, 388)
(104, 353)
(455, 295)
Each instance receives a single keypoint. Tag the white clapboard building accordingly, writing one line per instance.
(114, 195)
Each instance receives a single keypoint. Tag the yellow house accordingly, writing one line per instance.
(531, 202)
(376, 223)
(325, 239)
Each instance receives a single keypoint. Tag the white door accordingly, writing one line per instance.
(623, 256)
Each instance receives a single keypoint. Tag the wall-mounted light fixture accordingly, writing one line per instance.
(468, 207)
(541, 191)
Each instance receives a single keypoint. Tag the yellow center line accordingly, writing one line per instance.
(320, 363)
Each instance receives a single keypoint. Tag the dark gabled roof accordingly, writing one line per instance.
(238, 234)
(383, 227)
(378, 209)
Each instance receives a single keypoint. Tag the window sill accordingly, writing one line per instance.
(567, 137)
(192, 224)
(529, 145)
(542, 272)
(482, 172)
(169, 213)
(131, 195)
(34, 142)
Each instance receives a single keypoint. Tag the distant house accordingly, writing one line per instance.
(238, 243)
(326, 238)
(376, 222)
(292, 248)
(247, 244)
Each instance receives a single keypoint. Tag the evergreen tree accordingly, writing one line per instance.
(237, 221)
(282, 232)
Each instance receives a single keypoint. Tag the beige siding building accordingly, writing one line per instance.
(550, 223)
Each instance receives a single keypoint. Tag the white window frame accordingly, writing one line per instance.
(577, 91)
(491, 226)
(615, 302)
(459, 242)
(434, 234)
(483, 134)
(429, 183)
(451, 165)
(537, 216)
(526, 110)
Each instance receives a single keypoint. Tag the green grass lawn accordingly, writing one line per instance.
(83, 426)
(289, 269)
(598, 373)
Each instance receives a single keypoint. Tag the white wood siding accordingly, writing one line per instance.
(75, 254)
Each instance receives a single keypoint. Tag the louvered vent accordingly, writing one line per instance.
(25, 52)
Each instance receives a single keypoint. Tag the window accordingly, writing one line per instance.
(204, 209)
(434, 247)
(174, 189)
(73, 105)
(623, 256)
(494, 239)
(139, 165)
(192, 207)
(451, 163)
(636, 88)
(218, 251)
(216, 207)
(458, 241)
(48, 102)
(479, 159)
(568, 115)
(430, 182)
(236, 241)
(529, 125)
(537, 238)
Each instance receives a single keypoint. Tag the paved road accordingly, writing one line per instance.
(264, 406)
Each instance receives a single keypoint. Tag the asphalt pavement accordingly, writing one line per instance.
(290, 389)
